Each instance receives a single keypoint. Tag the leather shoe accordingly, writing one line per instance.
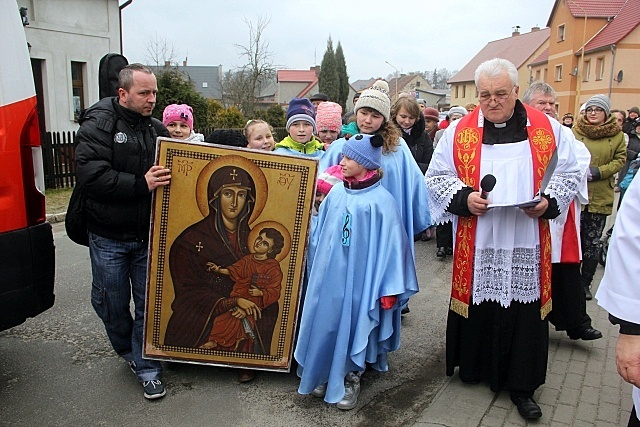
(246, 375)
(527, 407)
(441, 253)
(588, 335)
(587, 294)
(449, 251)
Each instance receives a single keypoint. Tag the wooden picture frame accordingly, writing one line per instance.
(231, 221)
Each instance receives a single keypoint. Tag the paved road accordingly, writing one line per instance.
(59, 370)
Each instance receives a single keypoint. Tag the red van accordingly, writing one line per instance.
(27, 252)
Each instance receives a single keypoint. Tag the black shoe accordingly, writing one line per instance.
(588, 335)
(405, 310)
(449, 251)
(527, 407)
(587, 294)
(441, 253)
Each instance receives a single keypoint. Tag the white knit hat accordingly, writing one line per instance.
(376, 98)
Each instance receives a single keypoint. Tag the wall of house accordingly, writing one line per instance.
(289, 90)
(463, 93)
(60, 32)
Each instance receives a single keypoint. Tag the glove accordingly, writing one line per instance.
(387, 302)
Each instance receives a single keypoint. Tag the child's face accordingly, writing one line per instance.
(327, 136)
(368, 120)
(351, 168)
(260, 137)
(263, 244)
(320, 196)
(301, 131)
(404, 119)
(178, 129)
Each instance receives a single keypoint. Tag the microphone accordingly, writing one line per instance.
(486, 185)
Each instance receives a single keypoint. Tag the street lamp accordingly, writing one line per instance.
(397, 75)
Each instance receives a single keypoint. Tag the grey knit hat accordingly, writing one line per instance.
(376, 98)
(458, 110)
(365, 149)
(601, 101)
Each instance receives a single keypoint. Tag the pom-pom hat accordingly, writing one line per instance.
(365, 149)
(329, 116)
(301, 109)
(376, 98)
(178, 112)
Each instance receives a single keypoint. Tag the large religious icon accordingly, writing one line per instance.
(226, 258)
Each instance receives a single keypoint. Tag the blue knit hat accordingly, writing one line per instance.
(365, 149)
(301, 109)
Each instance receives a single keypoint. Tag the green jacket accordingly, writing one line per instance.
(608, 155)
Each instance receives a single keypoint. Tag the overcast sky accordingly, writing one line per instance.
(410, 35)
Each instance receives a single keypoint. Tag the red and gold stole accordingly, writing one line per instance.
(467, 149)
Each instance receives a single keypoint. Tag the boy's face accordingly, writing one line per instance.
(327, 136)
(263, 244)
(351, 168)
(301, 131)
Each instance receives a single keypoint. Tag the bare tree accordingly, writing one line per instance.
(257, 73)
(160, 52)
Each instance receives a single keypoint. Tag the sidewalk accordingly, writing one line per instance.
(582, 388)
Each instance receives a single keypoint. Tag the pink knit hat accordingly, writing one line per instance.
(175, 112)
(330, 177)
(329, 116)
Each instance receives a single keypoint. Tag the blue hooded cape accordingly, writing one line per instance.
(343, 325)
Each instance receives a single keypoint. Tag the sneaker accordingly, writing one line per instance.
(132, 366)
(351, 392)
(153, 389)
(320, 391)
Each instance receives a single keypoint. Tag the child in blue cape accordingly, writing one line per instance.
(301, 126)
(360, 274)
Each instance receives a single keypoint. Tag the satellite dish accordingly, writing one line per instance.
(619, 76)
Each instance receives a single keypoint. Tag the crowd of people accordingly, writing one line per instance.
(524, 249)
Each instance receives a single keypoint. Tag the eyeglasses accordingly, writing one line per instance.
(594, 110)
(499, 97)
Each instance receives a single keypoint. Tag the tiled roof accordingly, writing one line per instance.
(516, 49)
(359, 85)
(591, 8)
(625, 21)
(296, 75)
(542, 58)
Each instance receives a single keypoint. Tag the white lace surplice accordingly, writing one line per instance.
(507, 248)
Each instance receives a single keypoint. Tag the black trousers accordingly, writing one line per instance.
(569, 312)
(444, 235)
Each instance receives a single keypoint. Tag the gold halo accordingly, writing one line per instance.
(240, 162)
(253, 234)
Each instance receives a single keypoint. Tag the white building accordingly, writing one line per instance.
(67, 38)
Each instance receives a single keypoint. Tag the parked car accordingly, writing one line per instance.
(27, 263)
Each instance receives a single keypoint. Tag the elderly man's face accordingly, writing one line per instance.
(544, 103)
(497, 97)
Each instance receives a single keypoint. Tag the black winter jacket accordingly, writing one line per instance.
(419, 143)
(115, 147)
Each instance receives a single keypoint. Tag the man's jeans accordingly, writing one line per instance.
(119, 269)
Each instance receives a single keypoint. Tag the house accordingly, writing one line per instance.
(206, 79)
(298, 84)
(609, 32)
(417, 86)
(66, 44)
(520, 49)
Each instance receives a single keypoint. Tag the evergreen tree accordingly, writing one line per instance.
(328, 79)
(343, 78)
(174, 87)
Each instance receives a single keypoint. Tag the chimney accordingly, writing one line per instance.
(516, 31)
(167, 63)
(315, 68)
(536, 28)
(184, 63)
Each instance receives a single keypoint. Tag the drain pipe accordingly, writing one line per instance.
(122, 6)
(613, 60)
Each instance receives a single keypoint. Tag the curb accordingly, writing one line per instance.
(58, 217)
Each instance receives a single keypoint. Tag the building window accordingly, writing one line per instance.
(205, 84)
(544, 75)
(537, 75)
(586, 70)
(417, 84)
(457, 87)
(464, 91)
(558, 72)
(561, 32)
(77, 88)
(600, 68)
